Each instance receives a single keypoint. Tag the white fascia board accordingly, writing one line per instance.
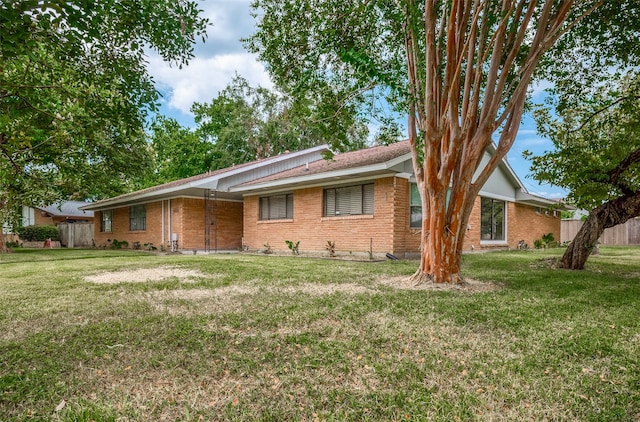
(207, 182)
(321, 176)
(526, 197)
(485, 194)
(109, 203)
(324, 183)
(398, 160)
(309, 178)
(251, 167)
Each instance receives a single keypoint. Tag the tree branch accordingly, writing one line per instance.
(603, 109)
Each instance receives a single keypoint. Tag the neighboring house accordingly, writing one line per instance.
(61, 212)
(50, 215)
(362, 200)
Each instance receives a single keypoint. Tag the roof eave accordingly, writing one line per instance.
(312, 178)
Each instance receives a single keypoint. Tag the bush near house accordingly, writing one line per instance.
(38, 233)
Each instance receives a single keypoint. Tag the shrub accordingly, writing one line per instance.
(293, 246)
(38, 233)
(118, 244)
(331, 248)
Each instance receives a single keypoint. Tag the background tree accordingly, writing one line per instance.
(74, 93)
(246, 123)
(597, 158)
(178, 152)
(459, 70)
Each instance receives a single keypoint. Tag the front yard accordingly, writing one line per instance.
(119, 335)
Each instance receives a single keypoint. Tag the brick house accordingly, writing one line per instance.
(368, 199)
(362, 200)
(62, 212)
(199, 213)
(50, 215)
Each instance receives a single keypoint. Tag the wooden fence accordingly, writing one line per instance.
(622, 234)
(76, 235)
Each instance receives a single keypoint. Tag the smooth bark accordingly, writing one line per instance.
(610, 214)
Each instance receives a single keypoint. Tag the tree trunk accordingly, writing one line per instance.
(3, 245)
(443, 231)
(609, 214)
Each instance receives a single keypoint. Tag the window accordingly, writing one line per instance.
(137, 218)
(349, 200)
(415, 207)
(276, 207)
(491, 219)
(106, 220)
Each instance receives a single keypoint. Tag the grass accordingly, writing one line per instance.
(290, 338)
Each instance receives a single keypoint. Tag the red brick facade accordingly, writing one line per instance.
(387, 230)
(184, 217)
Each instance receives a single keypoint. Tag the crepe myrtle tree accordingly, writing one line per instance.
(596, 157)
(459, 71)
(75, 93)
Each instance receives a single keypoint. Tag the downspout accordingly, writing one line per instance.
(162, 224)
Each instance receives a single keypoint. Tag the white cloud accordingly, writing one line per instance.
(204, 78)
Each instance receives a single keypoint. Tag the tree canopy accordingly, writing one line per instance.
(596, 157)
(75, 92)
(245, 123)
(459, 70)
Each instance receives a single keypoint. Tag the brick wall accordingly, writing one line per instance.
(523, 223)
(226, 230)
(183, 216)
(528, 225)
(120, 227)
(350, 233)
(388, 227)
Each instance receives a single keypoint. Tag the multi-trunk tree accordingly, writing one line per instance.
(459, 71)
(74, 93)
(596, 157)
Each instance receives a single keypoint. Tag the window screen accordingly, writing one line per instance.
(349, 200)
(276, 207)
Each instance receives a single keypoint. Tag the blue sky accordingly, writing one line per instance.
(222, 55)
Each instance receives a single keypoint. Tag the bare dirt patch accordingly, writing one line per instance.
(468, 285)
(142, 275)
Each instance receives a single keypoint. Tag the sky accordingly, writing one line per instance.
(223, 55)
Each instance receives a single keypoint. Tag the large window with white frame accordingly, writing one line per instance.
(492, 219)
(276, 207)
(349, 200)
(137, 218)
(106, 221)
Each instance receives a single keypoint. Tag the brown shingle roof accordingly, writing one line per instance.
(361, 158)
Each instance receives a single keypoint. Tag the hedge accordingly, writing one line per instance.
(38, 233)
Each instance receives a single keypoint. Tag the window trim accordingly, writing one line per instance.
(363, 201)
(133, 218)
(103, 220)
(288, 207)
(412, 205)
(503, 241)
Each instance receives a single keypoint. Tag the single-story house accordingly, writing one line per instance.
(60, 212)
(363, 201)
(49, 215)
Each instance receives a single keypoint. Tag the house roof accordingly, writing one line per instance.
(194, 185)
(377, 160)
(67, 209)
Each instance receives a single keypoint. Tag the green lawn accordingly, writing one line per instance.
(84, 337)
